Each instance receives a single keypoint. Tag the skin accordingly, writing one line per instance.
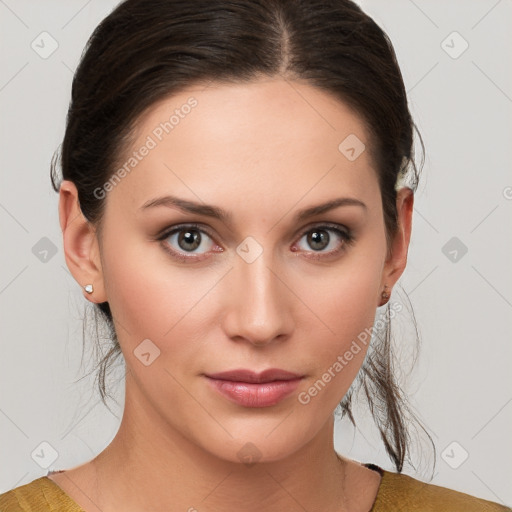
(179, 440)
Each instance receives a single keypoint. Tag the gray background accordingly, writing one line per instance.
(462, 104)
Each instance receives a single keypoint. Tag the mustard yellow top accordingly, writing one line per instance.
(397, 493)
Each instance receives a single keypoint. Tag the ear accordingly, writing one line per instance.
(81, 248)
(397, 254)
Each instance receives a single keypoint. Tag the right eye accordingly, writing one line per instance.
(184, 239)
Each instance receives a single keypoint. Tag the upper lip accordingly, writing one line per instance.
(242, 375)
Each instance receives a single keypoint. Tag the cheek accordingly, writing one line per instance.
(345, 312)
(344, 299)
(149, 298)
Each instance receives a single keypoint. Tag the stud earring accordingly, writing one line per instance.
(88, 288)
(385, 295)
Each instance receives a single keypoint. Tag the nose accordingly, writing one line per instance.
(259, 308)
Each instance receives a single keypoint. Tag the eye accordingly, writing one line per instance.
(323, 244)
(193, 243)
(189, 239)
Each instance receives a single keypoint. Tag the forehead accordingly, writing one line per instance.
(270, 136)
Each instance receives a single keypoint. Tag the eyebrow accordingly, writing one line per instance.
(226, 217)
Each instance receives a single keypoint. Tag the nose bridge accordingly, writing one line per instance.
(258, 307)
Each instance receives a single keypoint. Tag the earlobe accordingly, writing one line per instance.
(80, 244)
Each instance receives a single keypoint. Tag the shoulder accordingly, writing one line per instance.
(399, 492)
(41, 495)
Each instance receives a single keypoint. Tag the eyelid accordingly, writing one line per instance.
(330, 225)
(169, 230)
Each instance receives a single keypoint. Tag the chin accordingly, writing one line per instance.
(256, 443)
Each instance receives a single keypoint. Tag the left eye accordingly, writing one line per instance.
(319, 239)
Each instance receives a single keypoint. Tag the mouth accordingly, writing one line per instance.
(252, 389)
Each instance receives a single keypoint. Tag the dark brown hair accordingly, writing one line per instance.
(147, 50)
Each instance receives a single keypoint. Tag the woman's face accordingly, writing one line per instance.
(264, 287)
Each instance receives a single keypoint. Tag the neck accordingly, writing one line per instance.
(177, 474)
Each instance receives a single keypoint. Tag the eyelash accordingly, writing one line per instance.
(345, 234)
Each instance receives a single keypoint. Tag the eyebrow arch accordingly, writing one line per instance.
(226, 217)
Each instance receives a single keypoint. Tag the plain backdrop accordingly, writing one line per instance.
(453, 55)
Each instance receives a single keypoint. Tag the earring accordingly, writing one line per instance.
(88, 288)
(385, 295)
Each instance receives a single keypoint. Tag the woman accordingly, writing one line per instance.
(234, 202)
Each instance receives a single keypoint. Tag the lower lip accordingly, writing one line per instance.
(255, 395)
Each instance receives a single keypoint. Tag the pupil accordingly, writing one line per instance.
(318, 240)
(189, 237)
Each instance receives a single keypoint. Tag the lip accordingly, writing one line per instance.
(251, 389)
